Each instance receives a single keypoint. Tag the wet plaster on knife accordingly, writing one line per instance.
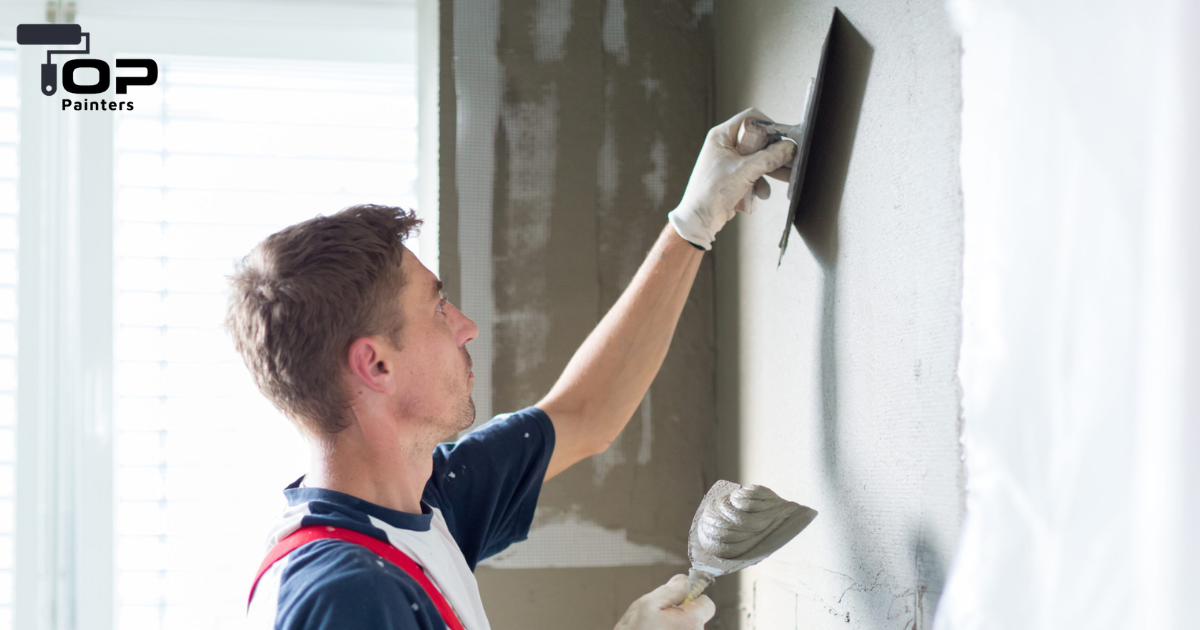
(738, 526)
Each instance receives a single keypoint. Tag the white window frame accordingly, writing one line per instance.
(64, 574)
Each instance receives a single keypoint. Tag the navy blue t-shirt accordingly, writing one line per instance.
(484, 489)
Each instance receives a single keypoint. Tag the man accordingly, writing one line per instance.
(347, 333)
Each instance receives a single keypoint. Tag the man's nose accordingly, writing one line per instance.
(468, 331)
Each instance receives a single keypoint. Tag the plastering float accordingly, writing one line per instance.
(801, 135)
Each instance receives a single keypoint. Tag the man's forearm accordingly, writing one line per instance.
(610, 373)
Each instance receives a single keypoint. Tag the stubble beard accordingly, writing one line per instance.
(466, 415)
(466, 409)
(460, 417)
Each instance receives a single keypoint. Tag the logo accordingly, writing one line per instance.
(72, 35)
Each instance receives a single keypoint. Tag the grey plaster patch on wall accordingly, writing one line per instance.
(552, 24)
(568, 541)
(604, 463)
(615, 42)
(584, 170)
(642, 423)
(656, 113)
(655, 180)
(643, 453)
(608, 170)
(527, 329)
(589, 117)
(531, 133)
(653, 87)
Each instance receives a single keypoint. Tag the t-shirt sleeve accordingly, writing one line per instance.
(330, 585)
(487, 483)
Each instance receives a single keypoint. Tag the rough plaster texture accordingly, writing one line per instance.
(837, 371)
(571, 130)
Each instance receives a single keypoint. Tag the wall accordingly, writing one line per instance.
(572, 130)
(837, 370)
(1080, 308)
(567, 129)
(567, 132)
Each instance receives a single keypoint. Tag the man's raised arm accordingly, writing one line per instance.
(609, 374)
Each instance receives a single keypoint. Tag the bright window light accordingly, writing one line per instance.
(218, 154)
(8, 324)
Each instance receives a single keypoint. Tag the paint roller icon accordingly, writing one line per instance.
(53, 35)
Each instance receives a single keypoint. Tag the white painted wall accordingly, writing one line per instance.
(1080, 185)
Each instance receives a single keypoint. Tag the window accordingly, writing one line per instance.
(8, 323)
(224, 154)
(147, 469)
(231, 152)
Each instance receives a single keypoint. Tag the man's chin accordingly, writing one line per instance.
(466, 416)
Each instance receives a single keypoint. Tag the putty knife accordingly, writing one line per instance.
(707, 565)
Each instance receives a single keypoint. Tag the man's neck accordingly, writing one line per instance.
(382, 470)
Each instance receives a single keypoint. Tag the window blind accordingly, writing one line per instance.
(8, 323)
(216, 156)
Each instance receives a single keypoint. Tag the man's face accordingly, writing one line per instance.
(433, 367)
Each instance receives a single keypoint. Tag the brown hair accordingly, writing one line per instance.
(303, 295)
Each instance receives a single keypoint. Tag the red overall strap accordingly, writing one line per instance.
(305, 535)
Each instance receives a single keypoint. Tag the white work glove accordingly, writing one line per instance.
(660, 609)
(725, 181)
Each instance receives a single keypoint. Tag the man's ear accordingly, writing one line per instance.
(369, 366)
